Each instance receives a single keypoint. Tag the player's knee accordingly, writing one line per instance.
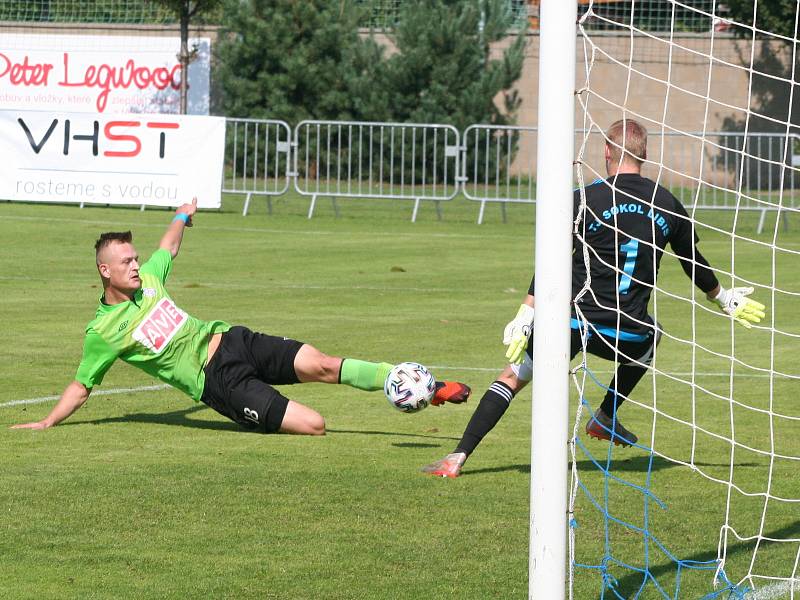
(312, 365)
(512, 380)
(312, 423)
(302, 420)
(325, 369)
(329, 367)
(316, 425)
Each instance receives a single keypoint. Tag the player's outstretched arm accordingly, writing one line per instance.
(174, 236)
(518, 331)
(71, 400)
(735, 302)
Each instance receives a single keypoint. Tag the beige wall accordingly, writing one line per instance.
(692, 84)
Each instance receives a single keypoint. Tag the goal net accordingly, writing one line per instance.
(707, 503)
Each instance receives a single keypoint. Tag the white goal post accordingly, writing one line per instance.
(707, 502)
(549, 456)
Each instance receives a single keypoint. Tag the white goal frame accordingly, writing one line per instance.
(551, 385)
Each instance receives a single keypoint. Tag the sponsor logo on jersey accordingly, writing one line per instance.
(149, 292)
(160, 326)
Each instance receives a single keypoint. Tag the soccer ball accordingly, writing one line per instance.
(409, 387)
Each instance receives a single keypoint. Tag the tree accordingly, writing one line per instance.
(186, 10)
(775, 16)
(773, 68)
(443, 71)
(292, 60)
(772, 107)
(295, 60)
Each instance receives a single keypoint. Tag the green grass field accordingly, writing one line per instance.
(145, 494)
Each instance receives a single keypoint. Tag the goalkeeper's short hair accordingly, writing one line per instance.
(633, 144)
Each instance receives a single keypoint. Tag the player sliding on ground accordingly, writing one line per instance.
(628, 219)
(231, 369)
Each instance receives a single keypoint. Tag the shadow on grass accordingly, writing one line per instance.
(394, 434)
(182, 418)
(634, 464)
(628, 586)
(641, 464)
(415, 445)
(524, 469)
(176, 417)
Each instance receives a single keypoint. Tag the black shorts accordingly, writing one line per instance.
(634, 351)
(627, 348)
(239, 375)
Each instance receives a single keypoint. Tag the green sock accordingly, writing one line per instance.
(364, 375)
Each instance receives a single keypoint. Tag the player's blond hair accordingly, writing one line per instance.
(633, 144)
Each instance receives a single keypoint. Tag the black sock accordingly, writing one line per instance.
(625, 379)
(491, 407)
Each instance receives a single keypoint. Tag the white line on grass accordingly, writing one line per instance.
(603, 371)
(111, 392)
(154, 388)
(471, 235)
(259, 229)
(775, 591)
(257, 286)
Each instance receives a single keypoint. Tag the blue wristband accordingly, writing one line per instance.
(181, 217)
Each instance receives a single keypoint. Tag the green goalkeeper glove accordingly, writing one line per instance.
(735, 303)
(516, 334)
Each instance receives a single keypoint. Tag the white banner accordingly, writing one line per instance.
(157, 160)
(96, 73)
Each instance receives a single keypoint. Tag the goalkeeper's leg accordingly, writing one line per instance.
(490, 410)
(626, 377)
(634, 363)
(605, 423)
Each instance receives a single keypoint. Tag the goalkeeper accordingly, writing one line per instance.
(628, 222)
(231, 369)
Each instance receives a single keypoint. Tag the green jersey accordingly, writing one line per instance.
(151, 333)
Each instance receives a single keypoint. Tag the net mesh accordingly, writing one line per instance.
(707, 504)
(86, 11)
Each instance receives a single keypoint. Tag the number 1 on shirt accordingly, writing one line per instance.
(630, 249)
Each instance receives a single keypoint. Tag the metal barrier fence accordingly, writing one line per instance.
(496, 169)
(344, 159)
(257, 159)
(492, 164)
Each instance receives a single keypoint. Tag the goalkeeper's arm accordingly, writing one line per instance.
(518, 331)
(733, 302)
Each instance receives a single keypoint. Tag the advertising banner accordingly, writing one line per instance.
(101, 74)
(156, 160)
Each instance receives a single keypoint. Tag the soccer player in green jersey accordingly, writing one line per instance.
(231, 369)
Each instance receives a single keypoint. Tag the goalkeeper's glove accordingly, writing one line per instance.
(516, 334)
(735, 303)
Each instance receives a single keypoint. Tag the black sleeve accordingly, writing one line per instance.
(530, 289)
(703, 276)
(684, 242)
